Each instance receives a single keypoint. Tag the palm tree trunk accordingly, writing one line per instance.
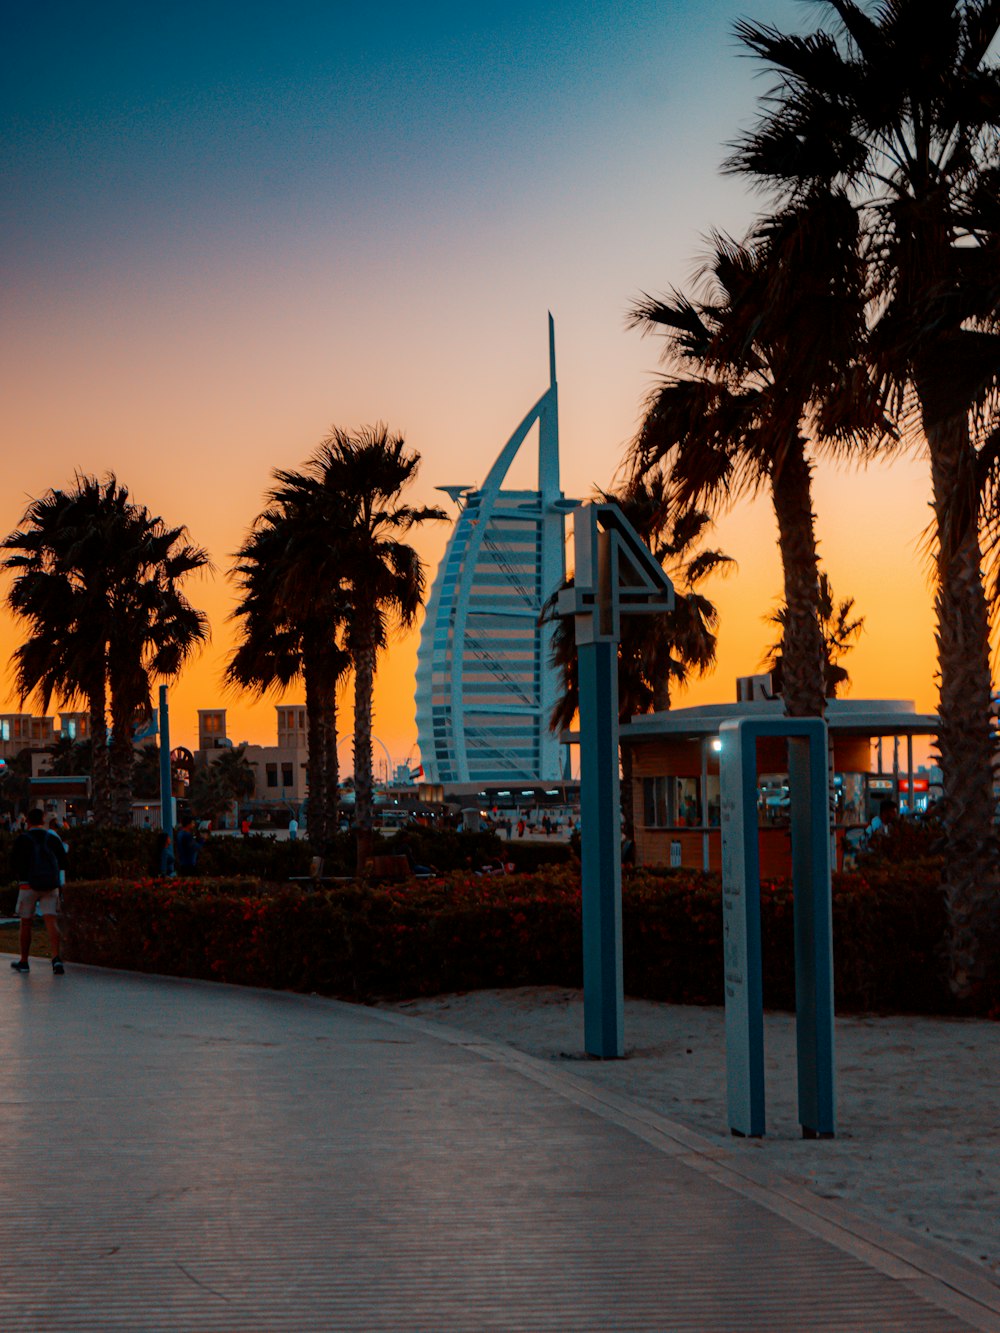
(804, 658)
(364, 680)
(122, 762)
(316, 774)
(964, 739)
(100, 777)
(331, 762)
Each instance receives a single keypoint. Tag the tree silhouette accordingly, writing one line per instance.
(901, 109)
(97, 583)
(839, 627)
(764, 360)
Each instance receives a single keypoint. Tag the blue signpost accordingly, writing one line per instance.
(809, 809)
(166, 784)
(615, 575)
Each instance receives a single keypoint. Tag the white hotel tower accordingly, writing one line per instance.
(485, 685)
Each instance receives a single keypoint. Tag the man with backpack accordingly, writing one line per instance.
(37, 857)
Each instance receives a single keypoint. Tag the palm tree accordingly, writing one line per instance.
(656, 652)
(52, 556)
(216, 785)
(902, 109)
(71, 758)
(765, 358)
(838, 626)
(289, 626)
(152, 629)
(15, 781)
(97, 581)
(362, 478)
(146, 773)
(325, 576)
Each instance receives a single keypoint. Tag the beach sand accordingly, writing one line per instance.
(918, 1100)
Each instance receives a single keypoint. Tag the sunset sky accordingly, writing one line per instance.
(227, 227)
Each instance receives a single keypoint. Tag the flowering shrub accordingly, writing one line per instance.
(357, 940)
(465, 932)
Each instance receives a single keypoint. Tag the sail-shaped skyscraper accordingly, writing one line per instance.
(485, 684)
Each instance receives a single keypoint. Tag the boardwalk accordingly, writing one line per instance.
(196, 1157)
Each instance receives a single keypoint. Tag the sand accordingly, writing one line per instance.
(918, 1099)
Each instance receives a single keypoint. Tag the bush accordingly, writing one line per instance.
(465, 932)
(130, 853)
(256, 856)
(447, 851)
(357, 941)
(96, 853)
(903, 842)
(530, 856)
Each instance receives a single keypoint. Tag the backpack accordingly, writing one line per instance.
(43, 869)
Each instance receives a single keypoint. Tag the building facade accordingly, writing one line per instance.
(26, 731)
(485, 683)
(280, 777)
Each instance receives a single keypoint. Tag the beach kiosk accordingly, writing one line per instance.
(673, 758)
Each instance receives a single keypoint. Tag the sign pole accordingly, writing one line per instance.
(741, 935)
(166, 785)
(600, 848)
(814, 1029)
(616, 574)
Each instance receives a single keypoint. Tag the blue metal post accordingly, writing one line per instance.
(616, 574)
(741, 935)
(166, 785)
(808, 782)
(809, 809)
(600, 819)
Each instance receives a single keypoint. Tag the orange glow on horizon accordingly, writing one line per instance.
(869, 524)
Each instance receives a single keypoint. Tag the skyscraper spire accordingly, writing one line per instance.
(485, 684)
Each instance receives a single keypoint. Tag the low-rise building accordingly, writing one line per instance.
(673, 758)
(279, 770)
(26, 731)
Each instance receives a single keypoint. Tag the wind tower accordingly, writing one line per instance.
(485, 684)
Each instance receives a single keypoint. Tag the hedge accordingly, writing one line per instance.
(466, 932)
(130, 853)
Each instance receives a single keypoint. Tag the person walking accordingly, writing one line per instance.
(293, 829)
(38, 860)
(162, 863)
(188, 847)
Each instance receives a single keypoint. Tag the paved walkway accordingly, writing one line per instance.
(196, 1157)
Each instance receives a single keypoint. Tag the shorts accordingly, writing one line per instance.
(46, 900)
